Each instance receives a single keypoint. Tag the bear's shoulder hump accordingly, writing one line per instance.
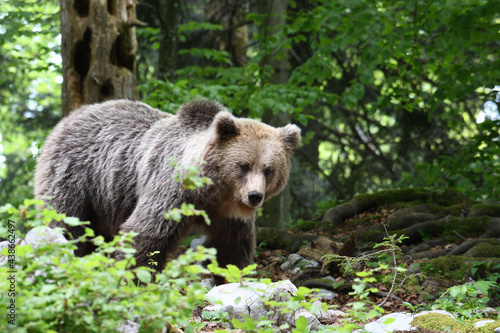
(199, 114)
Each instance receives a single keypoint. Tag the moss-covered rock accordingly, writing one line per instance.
(440, 323)
(370, 236)
(305, 225)
(416, 196)
(485, 250)
(405, 217)
(450, 267)
(465, 227)
(437, 322)
(485, 209)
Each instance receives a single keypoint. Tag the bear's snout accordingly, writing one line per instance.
(255, 198)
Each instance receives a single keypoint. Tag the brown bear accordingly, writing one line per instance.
(111, 164)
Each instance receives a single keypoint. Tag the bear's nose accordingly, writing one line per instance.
(255, 198)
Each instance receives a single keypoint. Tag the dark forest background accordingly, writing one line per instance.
(388, 93)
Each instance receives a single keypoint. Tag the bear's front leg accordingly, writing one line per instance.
(154, 233)
(234, 240)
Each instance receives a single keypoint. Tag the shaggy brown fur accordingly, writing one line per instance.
(110, 164)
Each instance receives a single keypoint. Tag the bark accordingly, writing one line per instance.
(169, 13)
(276, 210)
(98, 50)
(231, 14)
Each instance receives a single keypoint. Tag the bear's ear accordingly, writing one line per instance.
(226, 126)
(291, 136)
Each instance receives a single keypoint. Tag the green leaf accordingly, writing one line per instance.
(143, 275)
(301, 324)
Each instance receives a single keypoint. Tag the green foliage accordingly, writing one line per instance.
(473, 171)
(468, 301)
(190, 180)
(389, 89)
(231, 272)
(30, 93)
(400, 81)
(56, 291)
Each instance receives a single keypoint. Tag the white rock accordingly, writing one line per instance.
(402, 323)
(483, 322)
(497, 330)
(240, 300)
(37, 236)
(43, 235)
(312, 321)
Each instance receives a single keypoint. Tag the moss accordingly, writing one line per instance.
(445, 197)
(455, 210)
(306, 225)
(484, 250)
(450, 267)
(485, 209)
(363, 220)
(372, 235)
(440, 323)
(465, 226)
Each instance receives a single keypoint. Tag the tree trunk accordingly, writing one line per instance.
(276, 210)
(231, 14)
(169, 13)
(98, 51)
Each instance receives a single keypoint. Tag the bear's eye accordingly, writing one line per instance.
(245, 167)
(268, 171)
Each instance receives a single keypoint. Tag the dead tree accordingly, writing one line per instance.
(98, 51)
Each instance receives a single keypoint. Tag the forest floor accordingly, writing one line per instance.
(450, 241)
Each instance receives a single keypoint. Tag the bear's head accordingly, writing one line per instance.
(250, 159)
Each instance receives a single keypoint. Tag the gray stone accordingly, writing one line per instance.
(208, 283)
(312, 321)
(326, 295)
(44, 235)
(295, 263)
(197, 242)
(292, 260)
(248, 300)
(306, 264)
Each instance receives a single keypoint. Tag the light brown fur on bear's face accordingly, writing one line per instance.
(254, 160)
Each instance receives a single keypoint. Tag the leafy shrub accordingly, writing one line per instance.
(57, 291)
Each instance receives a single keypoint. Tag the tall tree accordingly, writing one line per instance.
(277, 210)
(98, 51)
(169, 12)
